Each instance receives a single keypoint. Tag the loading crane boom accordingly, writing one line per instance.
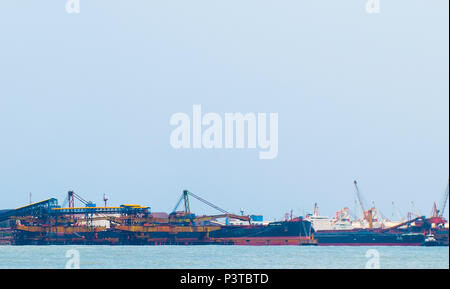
(358, 196)
(185, 197)
(71, 196)
(403, 224)
(367, 215)
(192, 218)
(444, 202)
(213, 217)
(36, 209)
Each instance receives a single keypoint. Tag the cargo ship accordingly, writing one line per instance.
(361, 237)
(340, 231)
(47, 223)
(374, 230)
(415, 232)
(290, 232)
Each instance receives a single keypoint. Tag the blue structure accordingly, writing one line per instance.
(256, 218)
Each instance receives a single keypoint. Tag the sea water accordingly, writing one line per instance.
(222, 257)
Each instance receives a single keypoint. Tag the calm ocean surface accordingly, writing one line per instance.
(192, 257)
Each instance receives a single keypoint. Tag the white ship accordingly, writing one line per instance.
(341, 221)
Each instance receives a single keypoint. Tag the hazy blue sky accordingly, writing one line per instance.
(85, 101)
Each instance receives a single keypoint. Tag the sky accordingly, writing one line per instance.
(86, 99)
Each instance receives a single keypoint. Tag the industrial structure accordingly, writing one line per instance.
(372, 228)
(46, 222)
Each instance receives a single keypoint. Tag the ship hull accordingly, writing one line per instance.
(274, 234)
(295, 233)
(368, 238)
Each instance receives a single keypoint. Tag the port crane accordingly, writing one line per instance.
(358, 196)
(437, 215)
(367, 215)
(71, 196)
(184, 198)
